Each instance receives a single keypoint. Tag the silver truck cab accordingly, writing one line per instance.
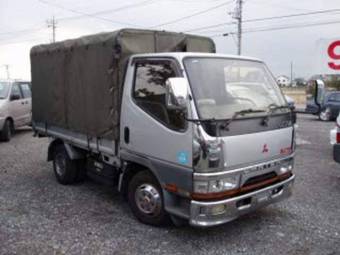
(225, 150)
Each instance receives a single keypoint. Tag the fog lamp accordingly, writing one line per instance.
(286, 169)
(213, 210)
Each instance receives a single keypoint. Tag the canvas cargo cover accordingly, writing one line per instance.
(77, 84)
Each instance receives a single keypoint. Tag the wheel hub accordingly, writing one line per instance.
(325, 115)
(148, 199)
(60, 164)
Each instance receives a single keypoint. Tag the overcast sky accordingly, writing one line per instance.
(23, 24)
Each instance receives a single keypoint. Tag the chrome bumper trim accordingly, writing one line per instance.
(241, 169)
(259, 198)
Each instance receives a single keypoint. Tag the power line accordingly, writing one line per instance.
(125, 7)
(265, 18)
(82, 16)
(23, 41)
(293, 15)
(270, 2)
(193, 15)
(293, 26)
(86, 14)
(281, 28)
(21, 31)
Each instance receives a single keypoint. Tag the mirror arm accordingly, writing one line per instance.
(316, 96)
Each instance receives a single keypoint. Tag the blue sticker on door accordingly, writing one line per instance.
(183, 157)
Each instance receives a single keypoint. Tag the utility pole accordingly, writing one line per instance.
(7, 71)
(237, 14)
(291, 73)
(52, 23)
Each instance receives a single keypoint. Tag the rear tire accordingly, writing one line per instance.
(65, 169)
(146, 199)
(6, 132)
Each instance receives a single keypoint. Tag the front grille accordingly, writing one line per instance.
(259, 178)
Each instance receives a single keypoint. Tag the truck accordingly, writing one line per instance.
(184, 134)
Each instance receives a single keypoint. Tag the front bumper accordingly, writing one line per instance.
(237, 206)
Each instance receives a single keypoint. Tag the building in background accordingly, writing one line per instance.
(299, 82)
(283, 81)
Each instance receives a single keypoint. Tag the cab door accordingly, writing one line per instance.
(148, 128)
(17, 106)
(27, 102)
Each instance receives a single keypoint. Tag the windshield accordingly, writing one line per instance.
(4, 87)
(223, 86)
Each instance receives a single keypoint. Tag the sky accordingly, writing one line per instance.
(23, 24)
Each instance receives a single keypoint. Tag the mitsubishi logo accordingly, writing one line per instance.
(265, 148)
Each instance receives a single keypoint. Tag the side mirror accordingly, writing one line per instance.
(316, 92)
(319, 91)
(14, 97)
(176, 93)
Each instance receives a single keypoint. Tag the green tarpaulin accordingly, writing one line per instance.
(77, 84)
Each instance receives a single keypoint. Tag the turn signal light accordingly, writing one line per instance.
(338, 137)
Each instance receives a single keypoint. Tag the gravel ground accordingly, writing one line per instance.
(39, 216)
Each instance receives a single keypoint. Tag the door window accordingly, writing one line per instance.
(150, 92)
(26, 90)
(16, 91)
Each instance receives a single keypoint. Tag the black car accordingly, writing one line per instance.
(330, 106)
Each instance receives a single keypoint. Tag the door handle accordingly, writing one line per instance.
(126, 135)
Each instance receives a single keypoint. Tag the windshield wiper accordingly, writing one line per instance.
(226, 121)
(238, 113)
(229, 120)
(271, 108)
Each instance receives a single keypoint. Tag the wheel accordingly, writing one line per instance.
(6, 133)
(146, 199)
(325, 114)
(65, 169)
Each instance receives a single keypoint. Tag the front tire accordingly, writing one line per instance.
(325, 114)
(6, 133)
(146, 199)
(65, 169)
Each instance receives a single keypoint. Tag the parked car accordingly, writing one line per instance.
(330, 106)
(290, 102)
(335, 140)
(15, 107)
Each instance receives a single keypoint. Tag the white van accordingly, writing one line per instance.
(15, 107)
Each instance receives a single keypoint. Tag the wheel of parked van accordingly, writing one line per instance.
(6, 132)
(325, 114)
(146, 199)
(65, 169)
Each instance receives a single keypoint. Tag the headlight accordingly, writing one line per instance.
(215, 186)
